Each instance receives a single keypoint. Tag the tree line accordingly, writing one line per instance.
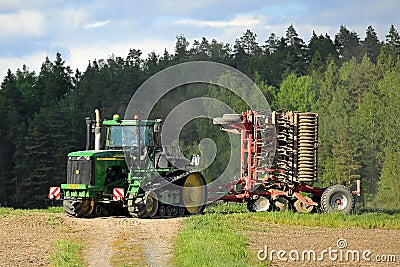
(353, 83)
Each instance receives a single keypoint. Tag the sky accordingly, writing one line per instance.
(97, 29)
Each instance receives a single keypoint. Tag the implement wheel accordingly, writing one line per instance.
(261, 204)
(194, 193)
(281, 204)
(301, 207)
(337, 198)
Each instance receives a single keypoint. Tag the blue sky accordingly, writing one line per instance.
(85, 30)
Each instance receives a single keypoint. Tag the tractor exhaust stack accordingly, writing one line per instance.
(88, 133)
(97, 131)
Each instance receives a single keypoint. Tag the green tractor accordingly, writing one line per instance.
(132, 173)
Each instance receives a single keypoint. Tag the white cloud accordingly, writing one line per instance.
(33, 62)
(179, 7)
(83, 31)
(96, 24)
(22, 24)
(237, 21)
(23, 4)
(80, 55)
(70, 18)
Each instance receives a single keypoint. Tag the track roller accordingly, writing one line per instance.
(152, 204)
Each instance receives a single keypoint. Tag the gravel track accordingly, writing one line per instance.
(28, 239)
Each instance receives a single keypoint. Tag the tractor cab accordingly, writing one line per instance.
(139, 139)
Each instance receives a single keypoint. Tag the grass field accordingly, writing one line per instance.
(216, 239)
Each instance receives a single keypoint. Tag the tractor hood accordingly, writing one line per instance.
(99, 154)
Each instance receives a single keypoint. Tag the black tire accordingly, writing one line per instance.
(108, 210)
(227, 119)
(337, 198)
(69, 207)
(98, 210)
(281, 204)
(174, 210)
(136, 206)
(161, 211)
(168, 211)
(181, 211)
(250, 205)
(78, 208)
(232, 118)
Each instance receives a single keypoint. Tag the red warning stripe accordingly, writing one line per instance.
(118, 194)
(55, 192)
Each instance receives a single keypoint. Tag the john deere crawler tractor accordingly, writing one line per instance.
(131, 172)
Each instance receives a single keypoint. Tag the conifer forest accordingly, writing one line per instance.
(352, 82)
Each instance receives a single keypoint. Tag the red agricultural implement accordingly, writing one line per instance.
(279, 164)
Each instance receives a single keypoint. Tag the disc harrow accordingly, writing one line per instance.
(279, 157)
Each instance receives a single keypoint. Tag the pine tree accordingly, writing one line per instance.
(181, 49)
(274, 56)
(33, 184)
(220, 52)
(371, 44)
(348, 44)
(200, 50)
(324, 46)
(296, 57)
(359, 78)
(390, 51)
(388, 196)
(245, 53)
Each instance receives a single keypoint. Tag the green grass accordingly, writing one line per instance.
(6, 211)
(216, 238)
(54, 209)
(334, 220)
(11, 211)
(368, 220)
(208, 240)
(67, 254)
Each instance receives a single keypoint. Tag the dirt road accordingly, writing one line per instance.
(28, 238)
(136, 242)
